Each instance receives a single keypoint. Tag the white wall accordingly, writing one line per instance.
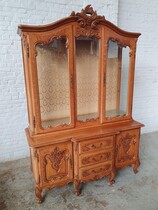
(13, 111)
(142, 16)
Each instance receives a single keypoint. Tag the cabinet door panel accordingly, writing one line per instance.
(127, 143)
(56, 164)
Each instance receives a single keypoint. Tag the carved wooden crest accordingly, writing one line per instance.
(88, 18)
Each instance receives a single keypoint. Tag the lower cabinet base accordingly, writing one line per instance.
(84, 159)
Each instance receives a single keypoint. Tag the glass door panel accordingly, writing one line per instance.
(53, 83)
(116, 80)
(87, 53)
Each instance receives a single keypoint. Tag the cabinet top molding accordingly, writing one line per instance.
(87, 19)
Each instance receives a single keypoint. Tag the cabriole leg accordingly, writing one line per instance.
(77, 187)
(112, 177)
(136, 165)
(38, 192)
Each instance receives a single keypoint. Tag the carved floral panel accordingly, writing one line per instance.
(56, 163)
(127, 147)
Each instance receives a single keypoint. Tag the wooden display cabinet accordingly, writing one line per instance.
(79, 76)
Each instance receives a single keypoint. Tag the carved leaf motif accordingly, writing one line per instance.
(56, 157)
(87, 33)
(88, 18)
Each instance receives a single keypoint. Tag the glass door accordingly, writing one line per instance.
(116, 81)
(87, 76)
(53, 83)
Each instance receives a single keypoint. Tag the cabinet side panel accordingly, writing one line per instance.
(25, 54)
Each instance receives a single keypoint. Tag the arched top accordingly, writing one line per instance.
(87, 19)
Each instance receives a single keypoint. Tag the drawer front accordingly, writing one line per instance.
(88, 159)
(95, 172)
(96, 144)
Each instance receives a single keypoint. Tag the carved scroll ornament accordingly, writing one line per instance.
(88, 18)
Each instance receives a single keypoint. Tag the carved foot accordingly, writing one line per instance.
(136, 165)
(111, 178)
(38, 192)
(77, 187)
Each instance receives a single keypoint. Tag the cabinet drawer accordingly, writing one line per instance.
(96, 144)
(95, 171)
(88, 159)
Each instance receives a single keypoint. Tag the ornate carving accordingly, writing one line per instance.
(87, 121)
(56, 157)
(87, 33)
(88, 18)
(58, 126)
(119, 42)
(98, 170)
(57, 35)
(126, 141)
(97, 158)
